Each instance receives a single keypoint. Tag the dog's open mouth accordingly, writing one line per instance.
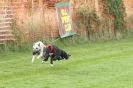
(36, 52)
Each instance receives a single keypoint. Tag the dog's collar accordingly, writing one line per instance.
(51, 48)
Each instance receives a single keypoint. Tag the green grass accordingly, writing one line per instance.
(95, 65)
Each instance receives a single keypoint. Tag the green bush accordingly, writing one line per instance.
(116, 9)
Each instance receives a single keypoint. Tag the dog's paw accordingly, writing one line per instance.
(42, 61)
(51, 65)
(32, 61)
(38, 57)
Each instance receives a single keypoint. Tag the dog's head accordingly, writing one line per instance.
(37, 47)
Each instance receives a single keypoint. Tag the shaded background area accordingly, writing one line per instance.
(36, 19)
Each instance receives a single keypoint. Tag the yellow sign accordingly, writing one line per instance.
(64, 17)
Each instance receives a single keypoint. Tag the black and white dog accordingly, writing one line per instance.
(54, 53)
(49, 51)
(37, 50)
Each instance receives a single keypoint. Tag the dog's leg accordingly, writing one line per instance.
(51, 65)
(33, 58)
(45, 59)
(51, 62)
(40, 55)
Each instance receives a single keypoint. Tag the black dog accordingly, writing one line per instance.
(54, 53)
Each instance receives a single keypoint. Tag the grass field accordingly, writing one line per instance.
(95, 65)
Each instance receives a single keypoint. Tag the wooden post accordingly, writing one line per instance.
(97, 7)
(32, 6)
(41, 9)
(32, 20)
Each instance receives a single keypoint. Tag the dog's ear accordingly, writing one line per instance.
(39, 44)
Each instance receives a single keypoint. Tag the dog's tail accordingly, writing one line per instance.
(69, 55)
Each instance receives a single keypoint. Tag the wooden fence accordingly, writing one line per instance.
(9, 12)
(22, 12)
(6, 20)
